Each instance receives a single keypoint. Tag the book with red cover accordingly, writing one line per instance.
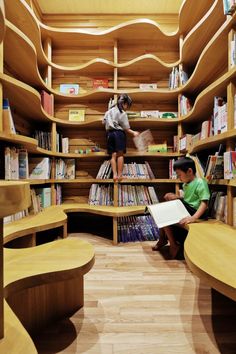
(100, 83)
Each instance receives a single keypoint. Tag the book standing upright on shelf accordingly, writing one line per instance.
(76, 115)
(8, 123)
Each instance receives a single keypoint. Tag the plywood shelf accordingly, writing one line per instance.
(28, 72)
(204, 102)
(195, 42)
(213, 141)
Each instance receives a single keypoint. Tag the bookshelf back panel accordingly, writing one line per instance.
(85, 83)
(90, 166)
(132, 82)
(77, 193)
(78, 55)
(165, 50)
(93, 112)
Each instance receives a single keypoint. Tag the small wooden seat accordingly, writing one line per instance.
(210, 253)
(41, 285)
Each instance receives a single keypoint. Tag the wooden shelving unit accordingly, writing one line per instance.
(126, 56)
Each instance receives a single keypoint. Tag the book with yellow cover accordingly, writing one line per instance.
(76, 115)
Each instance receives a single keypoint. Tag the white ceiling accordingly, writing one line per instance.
(109, 6)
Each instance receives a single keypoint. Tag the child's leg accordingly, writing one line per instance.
(113, 166)
(174, 247)
(120, 164)
(161, 242)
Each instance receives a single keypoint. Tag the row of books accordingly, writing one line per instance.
(217, 166)
(185, 105)
(101, 195)
(217, 206)
(65, 169)
(40, 199)
(177, 78)
(44, 139)
(131, 195)
(19, 166)
(130, 170)
(137, 228)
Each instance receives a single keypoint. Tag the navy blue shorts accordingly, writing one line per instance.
(116, 141)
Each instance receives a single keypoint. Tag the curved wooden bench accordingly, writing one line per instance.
(209, 251)
(55, 216)
(41, 285)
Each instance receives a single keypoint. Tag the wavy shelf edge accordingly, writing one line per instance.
(197, 28)
(213, 140)
(208, 91)
(223, 28)
(106, 62)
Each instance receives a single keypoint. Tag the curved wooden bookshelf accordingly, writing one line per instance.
(195, 41)
(29, 26)
(14, 197)
(29, 143)
(21, 95)
(201, 106)
(213, 141)
(33, 77)
(148, 63)
(90, 68)
(217, 52)
(187, 22)
(209, 255)
(28, 72)
(2, 20)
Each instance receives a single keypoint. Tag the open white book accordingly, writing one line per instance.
(168, 213)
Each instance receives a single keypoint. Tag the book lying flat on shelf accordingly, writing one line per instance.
(143, 140)
(168, 213)
(76, 115)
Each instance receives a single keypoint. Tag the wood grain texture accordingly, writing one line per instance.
(136, 302)
(210, 254)
(14, 197)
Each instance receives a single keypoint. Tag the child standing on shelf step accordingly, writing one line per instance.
(116, 125)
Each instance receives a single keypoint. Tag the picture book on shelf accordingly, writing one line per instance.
(100, 83)
(76, 115)
(70, 89)
(168, 213)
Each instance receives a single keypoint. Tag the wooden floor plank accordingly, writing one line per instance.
(138, 302)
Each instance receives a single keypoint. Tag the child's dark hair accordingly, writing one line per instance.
(184, 163)
(124, 99)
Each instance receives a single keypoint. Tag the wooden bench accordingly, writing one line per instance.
(56, 216)
(209, 251)
(41, 285)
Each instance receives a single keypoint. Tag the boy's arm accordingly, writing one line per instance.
(201, 209)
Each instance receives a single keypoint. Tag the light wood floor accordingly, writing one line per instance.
(137, 302)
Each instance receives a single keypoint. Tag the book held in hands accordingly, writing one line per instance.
(143, 140)
(168, 213)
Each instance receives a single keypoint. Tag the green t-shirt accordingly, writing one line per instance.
(196, 191)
